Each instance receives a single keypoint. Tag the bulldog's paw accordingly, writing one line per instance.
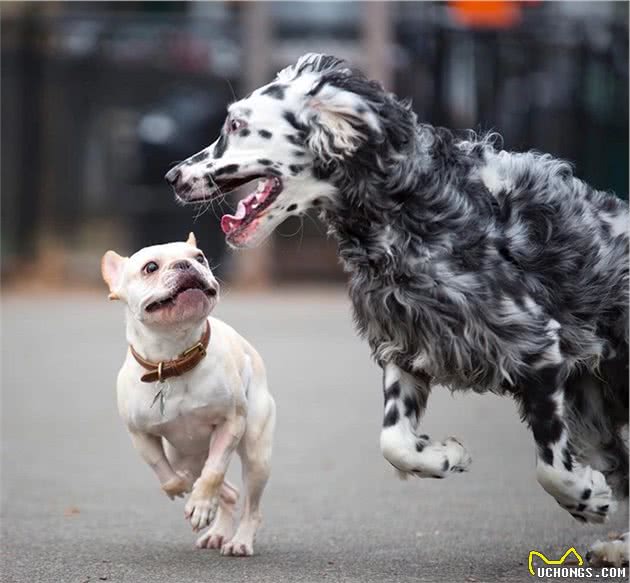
(200, 510)
(238, 548)
(220, 532)
(211, 539)
(177, 486)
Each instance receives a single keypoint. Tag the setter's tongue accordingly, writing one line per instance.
(247, 207)
(231, 222)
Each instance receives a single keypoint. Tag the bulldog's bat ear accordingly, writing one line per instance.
(111, 269)
(192, 240)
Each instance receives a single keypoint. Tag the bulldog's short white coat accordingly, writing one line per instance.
(221, 406)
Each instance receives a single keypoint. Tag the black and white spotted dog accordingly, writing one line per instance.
(469, 267)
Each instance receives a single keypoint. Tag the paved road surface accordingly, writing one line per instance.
(79, 505)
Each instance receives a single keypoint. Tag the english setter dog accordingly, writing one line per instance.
(469, 267)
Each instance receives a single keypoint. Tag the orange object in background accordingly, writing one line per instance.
(491, 14)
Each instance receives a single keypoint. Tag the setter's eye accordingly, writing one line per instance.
(233, 125)
(150, 268)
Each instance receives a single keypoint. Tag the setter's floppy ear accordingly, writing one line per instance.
(111, 268)
(340, 121)
(192, 240)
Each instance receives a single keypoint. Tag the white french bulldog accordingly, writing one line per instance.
(191, 390)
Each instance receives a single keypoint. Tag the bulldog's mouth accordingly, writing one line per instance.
(188, 284)
(252, 206)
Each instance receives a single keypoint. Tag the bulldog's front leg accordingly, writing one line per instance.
(202, 504)
(151, 450)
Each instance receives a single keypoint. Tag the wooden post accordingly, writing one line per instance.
(252, 267)
(376, 38)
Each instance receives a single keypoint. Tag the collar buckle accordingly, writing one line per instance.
(189, 359)
(199, 346)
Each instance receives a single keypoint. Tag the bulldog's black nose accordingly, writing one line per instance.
(182, 265)
(173, 176)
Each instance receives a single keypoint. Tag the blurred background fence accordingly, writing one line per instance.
(99, 99)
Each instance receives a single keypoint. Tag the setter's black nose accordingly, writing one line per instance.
(173, 176)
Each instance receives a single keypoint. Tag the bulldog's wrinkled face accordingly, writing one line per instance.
(163, 284)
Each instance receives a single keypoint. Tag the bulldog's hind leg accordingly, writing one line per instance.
(410, 452)
(255, 453)
(188, 467)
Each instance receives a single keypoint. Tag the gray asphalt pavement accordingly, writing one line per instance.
(78, 504)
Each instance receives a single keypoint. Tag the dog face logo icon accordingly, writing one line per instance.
(560, 561)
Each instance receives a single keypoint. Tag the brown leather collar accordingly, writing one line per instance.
(189, 359)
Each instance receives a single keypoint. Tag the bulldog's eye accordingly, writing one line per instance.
(234, 124)
(150, 267)
(201, 258)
